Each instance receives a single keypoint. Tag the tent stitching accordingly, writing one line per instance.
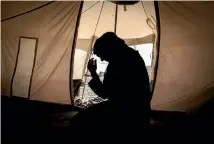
(12, 17)
(115, 21)
(90, 7)
(158, 44)
(14, 70)
(73, 53)
(34, 62)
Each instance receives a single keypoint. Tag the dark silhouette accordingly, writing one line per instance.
(125, 84)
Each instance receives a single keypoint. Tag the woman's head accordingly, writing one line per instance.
(108, 45)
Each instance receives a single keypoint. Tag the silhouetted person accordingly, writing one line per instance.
(125, 84)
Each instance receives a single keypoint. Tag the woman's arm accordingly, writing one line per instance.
(96, 85)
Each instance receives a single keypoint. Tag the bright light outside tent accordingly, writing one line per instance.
(101, 65)
(145, 50)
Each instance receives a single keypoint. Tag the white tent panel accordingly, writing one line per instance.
(22, 77)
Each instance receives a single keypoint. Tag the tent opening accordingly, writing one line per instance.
(136, 25)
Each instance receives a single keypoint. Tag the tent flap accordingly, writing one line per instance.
(185, 70)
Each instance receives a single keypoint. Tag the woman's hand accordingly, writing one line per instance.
(92, 65)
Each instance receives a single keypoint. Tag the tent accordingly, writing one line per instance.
(45, 43)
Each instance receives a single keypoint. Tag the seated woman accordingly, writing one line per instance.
(126, 85)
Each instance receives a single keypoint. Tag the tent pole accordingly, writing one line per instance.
(89, 53)
(115, 21)
(157, 45)
(91, 50)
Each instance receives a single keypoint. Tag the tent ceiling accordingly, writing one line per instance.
(131, 24)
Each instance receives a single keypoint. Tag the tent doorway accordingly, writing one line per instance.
(134, 23)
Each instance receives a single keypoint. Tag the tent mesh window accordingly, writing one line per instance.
(22, 77)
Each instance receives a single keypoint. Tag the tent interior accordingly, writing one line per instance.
(45, 47)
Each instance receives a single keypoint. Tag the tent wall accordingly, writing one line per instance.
(54, 26)
(185, 76)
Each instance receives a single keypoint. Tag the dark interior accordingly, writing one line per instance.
(25, 121)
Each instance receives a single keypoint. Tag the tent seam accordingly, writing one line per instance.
(90, 7)
(157, 46)
(12, 17)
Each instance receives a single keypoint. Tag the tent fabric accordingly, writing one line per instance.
(54, 26)
(185, 76)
